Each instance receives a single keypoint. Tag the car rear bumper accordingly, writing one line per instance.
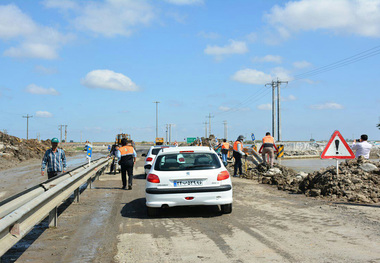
(220, 188)
(199, 198)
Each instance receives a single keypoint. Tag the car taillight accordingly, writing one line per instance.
(153, 178)
(223, 176)
(149, 159)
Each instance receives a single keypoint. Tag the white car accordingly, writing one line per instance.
(188, 176)
(151, 155)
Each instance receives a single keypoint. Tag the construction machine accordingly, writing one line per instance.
(121, 136)
(159, 141)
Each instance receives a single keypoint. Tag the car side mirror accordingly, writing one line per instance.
(143, 155)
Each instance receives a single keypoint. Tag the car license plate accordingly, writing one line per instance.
(188, 183)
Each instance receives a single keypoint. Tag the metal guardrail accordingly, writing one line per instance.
(21, 212)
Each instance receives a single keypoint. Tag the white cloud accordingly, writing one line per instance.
(208, 35)
(60, 4)
(301, 64)
(269, 58)
(34, 41)
(327, 106)
(234, 47)
(267, 106)
(251, 37)
(360, 17)
(114, 17)
(43, 114)
(34, 89)
(45, 70)
(252, 76)
(224, 108)
(281, 73)
(185, 2)
(107, 79)
(289, 98)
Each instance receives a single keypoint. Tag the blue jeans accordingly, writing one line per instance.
(224, 157)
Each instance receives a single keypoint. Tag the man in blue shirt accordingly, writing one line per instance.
(55, 159)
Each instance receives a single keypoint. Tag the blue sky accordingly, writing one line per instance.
(98, 66)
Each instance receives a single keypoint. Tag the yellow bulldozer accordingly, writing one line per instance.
(159, 141)
(121, 136)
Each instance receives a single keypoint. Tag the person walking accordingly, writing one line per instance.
(237, 154)
(268, 144)
(225, 149)
(362, 148)
(127, 161)
(115, 155)
(54, 159)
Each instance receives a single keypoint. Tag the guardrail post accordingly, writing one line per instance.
(89, 182)
(76, 195)
(53, 217)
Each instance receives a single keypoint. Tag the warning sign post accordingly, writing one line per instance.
(337, 148)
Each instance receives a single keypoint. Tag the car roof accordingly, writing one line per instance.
(161, 146)
(186, 148)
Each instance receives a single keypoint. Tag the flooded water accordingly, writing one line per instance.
(307, 165)
(310, 165)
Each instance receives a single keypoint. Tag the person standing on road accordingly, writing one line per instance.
(225, 149)
(115, 155)
(362, 148)
(55, 159)
(268, 144)
(127, 161)
(237, 154)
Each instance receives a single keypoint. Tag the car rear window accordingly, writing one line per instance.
(155, 151)
(187, 161)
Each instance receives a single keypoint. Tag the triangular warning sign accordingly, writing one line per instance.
(337, 148)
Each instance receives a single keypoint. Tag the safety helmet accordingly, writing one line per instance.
(55, 140)
(240, 138)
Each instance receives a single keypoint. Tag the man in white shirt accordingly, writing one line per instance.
(363, 147)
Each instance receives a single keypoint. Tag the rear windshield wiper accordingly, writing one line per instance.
(199, 165)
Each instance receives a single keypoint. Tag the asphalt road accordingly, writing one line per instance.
(266, 225)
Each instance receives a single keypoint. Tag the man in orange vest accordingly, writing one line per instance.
(127, 161)
(268, 144)
(225, 149)
(238, 153)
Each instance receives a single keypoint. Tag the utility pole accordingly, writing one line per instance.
(166, 133)
(156, 117)
(60, 129)
(225, 129)
(209, 122)
(27, 125)
(170, 132)
(278, 84)
(273, 85)
(65, 133)
(205, 123)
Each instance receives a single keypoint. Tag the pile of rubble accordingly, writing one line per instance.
(357, 180)
(13, 149)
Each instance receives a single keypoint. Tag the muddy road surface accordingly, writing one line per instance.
(266, 225)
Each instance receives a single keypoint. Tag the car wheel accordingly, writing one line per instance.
(153, 211)
(226, 209)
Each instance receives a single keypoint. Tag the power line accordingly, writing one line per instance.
(340, 63)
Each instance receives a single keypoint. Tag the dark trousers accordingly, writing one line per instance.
(53, 174)
(126, 168)
(112, 165)
(238, 163)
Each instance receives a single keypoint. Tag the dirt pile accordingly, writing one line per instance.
(357, 180)
(13, 149)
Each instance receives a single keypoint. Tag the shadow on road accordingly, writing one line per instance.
(137, 209)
